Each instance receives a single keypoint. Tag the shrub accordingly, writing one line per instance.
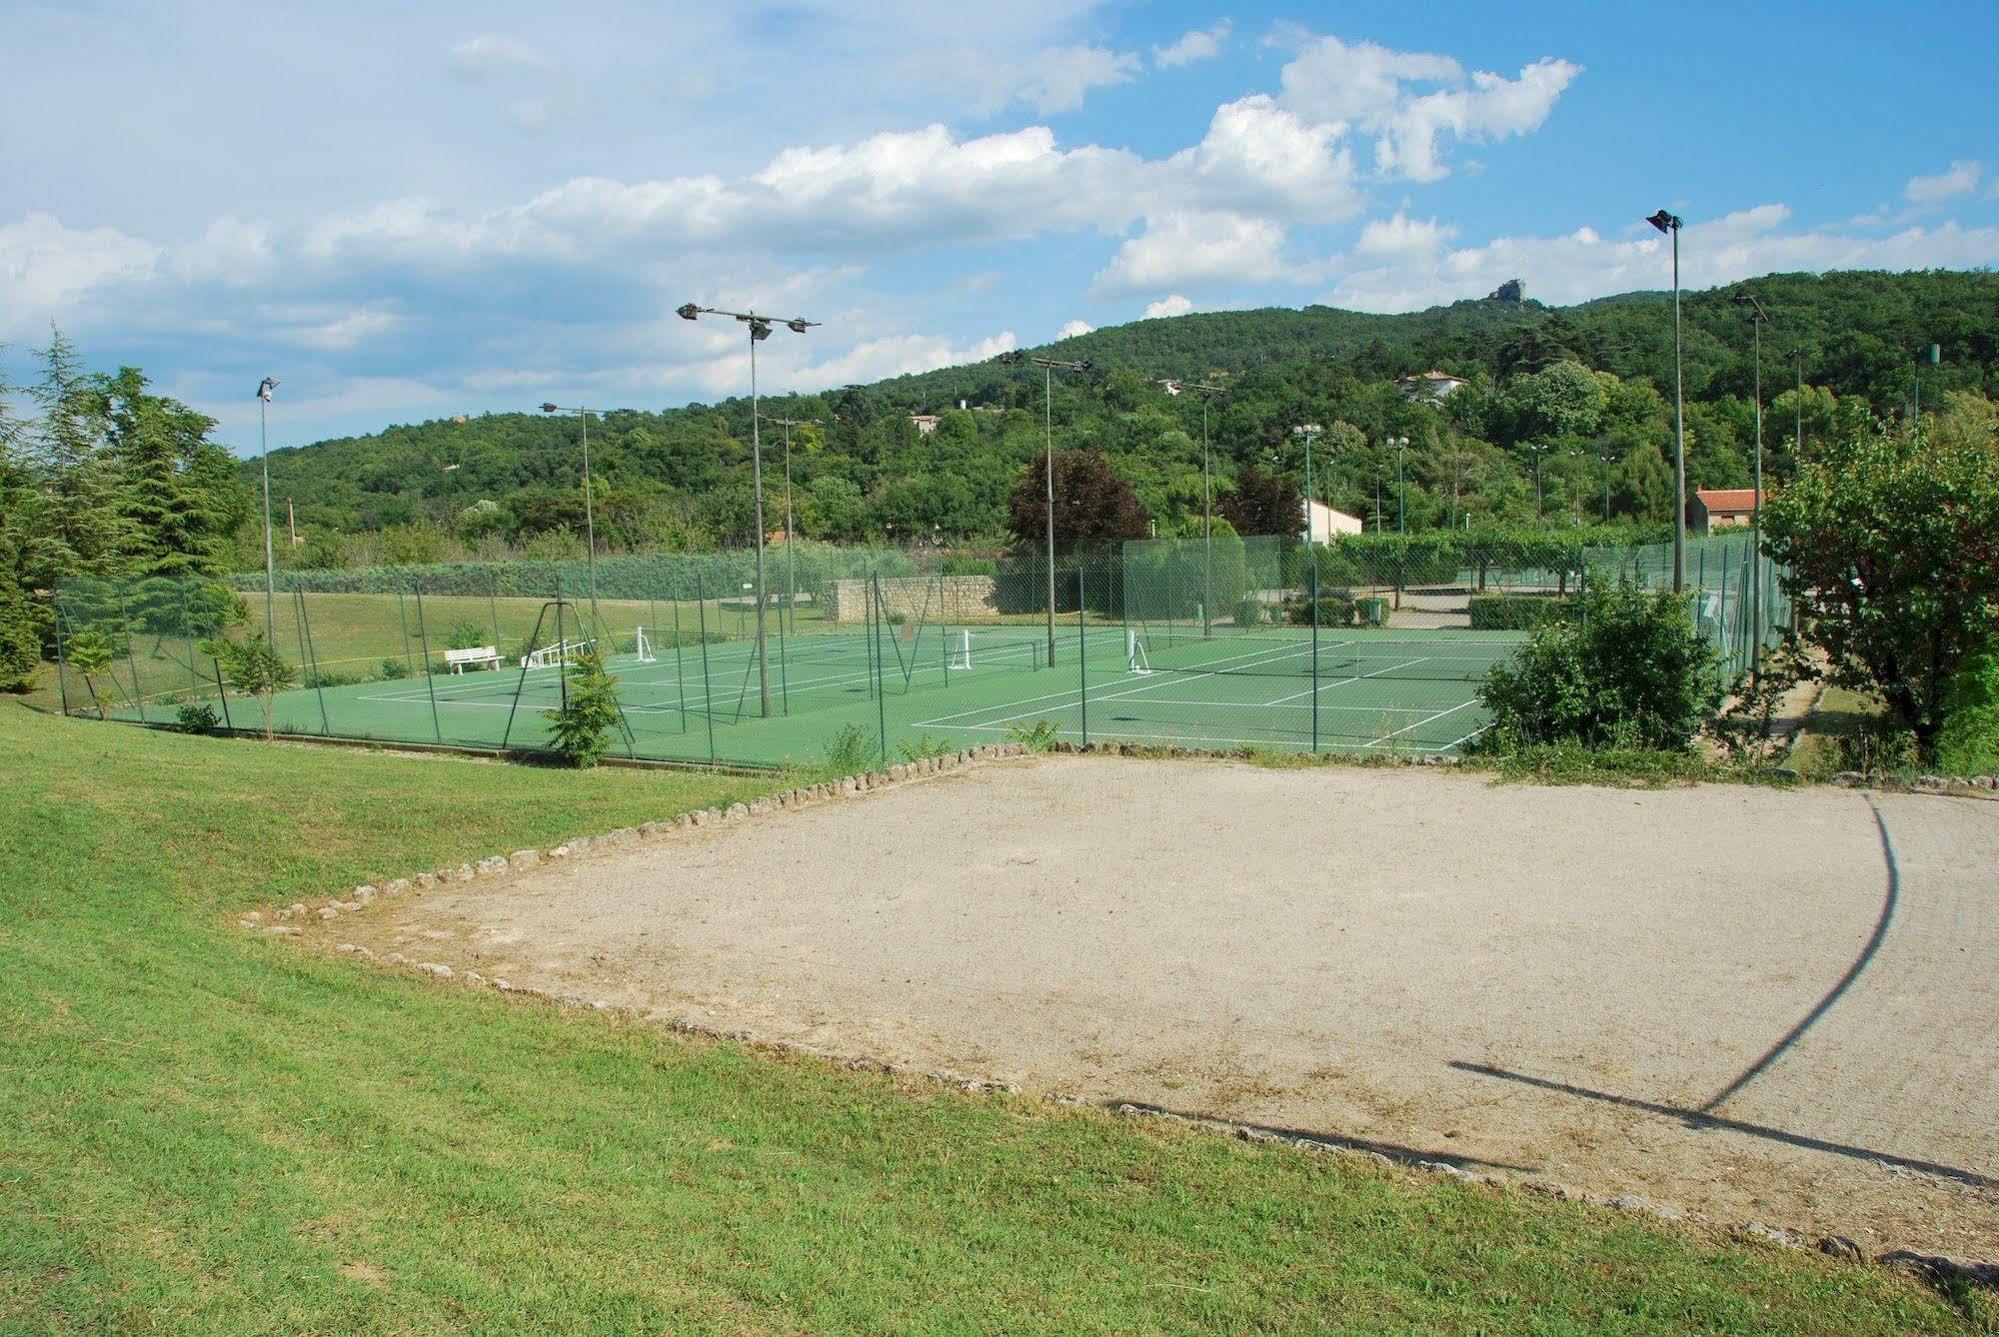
(849, 753)
(1516, 612)
(395, 668)
(1335, 610)
(1248, 612)
(89, 653)
(331, 678)
(1038, 737)
(255, 668)
(1968, 743)
(467, 636)
(198, 718)
(581, 725)
(1634, 671)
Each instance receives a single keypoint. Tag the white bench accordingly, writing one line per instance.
(479, 656)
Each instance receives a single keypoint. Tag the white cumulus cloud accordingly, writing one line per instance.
(1197, 249)
(1172, 305)
(1410, 101)
(47, 268)
(1057, 79)
(1584, 263)
(1961, 179)
(1074, 328)
(896, 355)
(1192, 45)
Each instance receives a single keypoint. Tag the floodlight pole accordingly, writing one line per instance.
(1401, 487)
(1309, 432)
(264, 389)
(589, 511)
(1049, 366)
(1757, 317)
(790, 565)
(1207, 392)
(759, 328)
(1797, 356)
(1670, 224)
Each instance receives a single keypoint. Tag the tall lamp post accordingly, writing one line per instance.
(790, 566)
(264, 388)
(1049, 366)
(1797, 356)
(1758, 317)
(1669, 224)
(1933, 355)
(1207, 393)
(1401, 487)
(1310, 432)
(759, 327)
(589, 510)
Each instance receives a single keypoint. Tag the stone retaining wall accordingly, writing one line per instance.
(920, 598)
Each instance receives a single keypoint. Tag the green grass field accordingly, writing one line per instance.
(212, 1131)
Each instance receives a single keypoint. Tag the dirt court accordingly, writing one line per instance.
(1735, 1001)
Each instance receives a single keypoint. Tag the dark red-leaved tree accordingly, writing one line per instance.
(1093, 504)
(1263, 504)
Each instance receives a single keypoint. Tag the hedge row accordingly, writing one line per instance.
(1516, 612)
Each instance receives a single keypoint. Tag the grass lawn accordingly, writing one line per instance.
(208, 1130)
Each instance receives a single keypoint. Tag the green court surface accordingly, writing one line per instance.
(1382, 690)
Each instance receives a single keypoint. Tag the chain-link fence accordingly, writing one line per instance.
(1371, 644)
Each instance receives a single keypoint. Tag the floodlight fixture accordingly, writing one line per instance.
(759, 329)
(1665, 222)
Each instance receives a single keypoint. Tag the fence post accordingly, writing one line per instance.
(311, 657)
(187, 633)
(1314, 580)
(423, 639)
(707, 678)
(493, 608)
(881, 687)
(679, 670)
(131, 660)
(62, 658)
(1082, 654)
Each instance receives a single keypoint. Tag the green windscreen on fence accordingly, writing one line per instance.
(1353, 645)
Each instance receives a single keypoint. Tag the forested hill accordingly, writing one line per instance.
(1525, 440)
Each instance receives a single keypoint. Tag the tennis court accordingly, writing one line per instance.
(958, 686)
(1167, 643)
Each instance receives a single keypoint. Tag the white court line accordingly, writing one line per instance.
(1420, 723)
(1341, 681)
(1124, 736)
(1468, 737)
(941, 720)
(1273, 705)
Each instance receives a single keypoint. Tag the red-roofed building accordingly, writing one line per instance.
(1720, 508)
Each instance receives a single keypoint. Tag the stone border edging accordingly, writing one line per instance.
(847, 786)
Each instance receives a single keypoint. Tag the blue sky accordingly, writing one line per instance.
(407, 212)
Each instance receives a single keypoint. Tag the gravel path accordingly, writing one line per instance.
(1715, 998)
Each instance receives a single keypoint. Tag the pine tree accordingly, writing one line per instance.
(70, 515)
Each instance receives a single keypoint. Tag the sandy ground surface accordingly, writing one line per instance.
(1717, 998)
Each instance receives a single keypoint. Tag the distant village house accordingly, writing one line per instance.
(1721, 508)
